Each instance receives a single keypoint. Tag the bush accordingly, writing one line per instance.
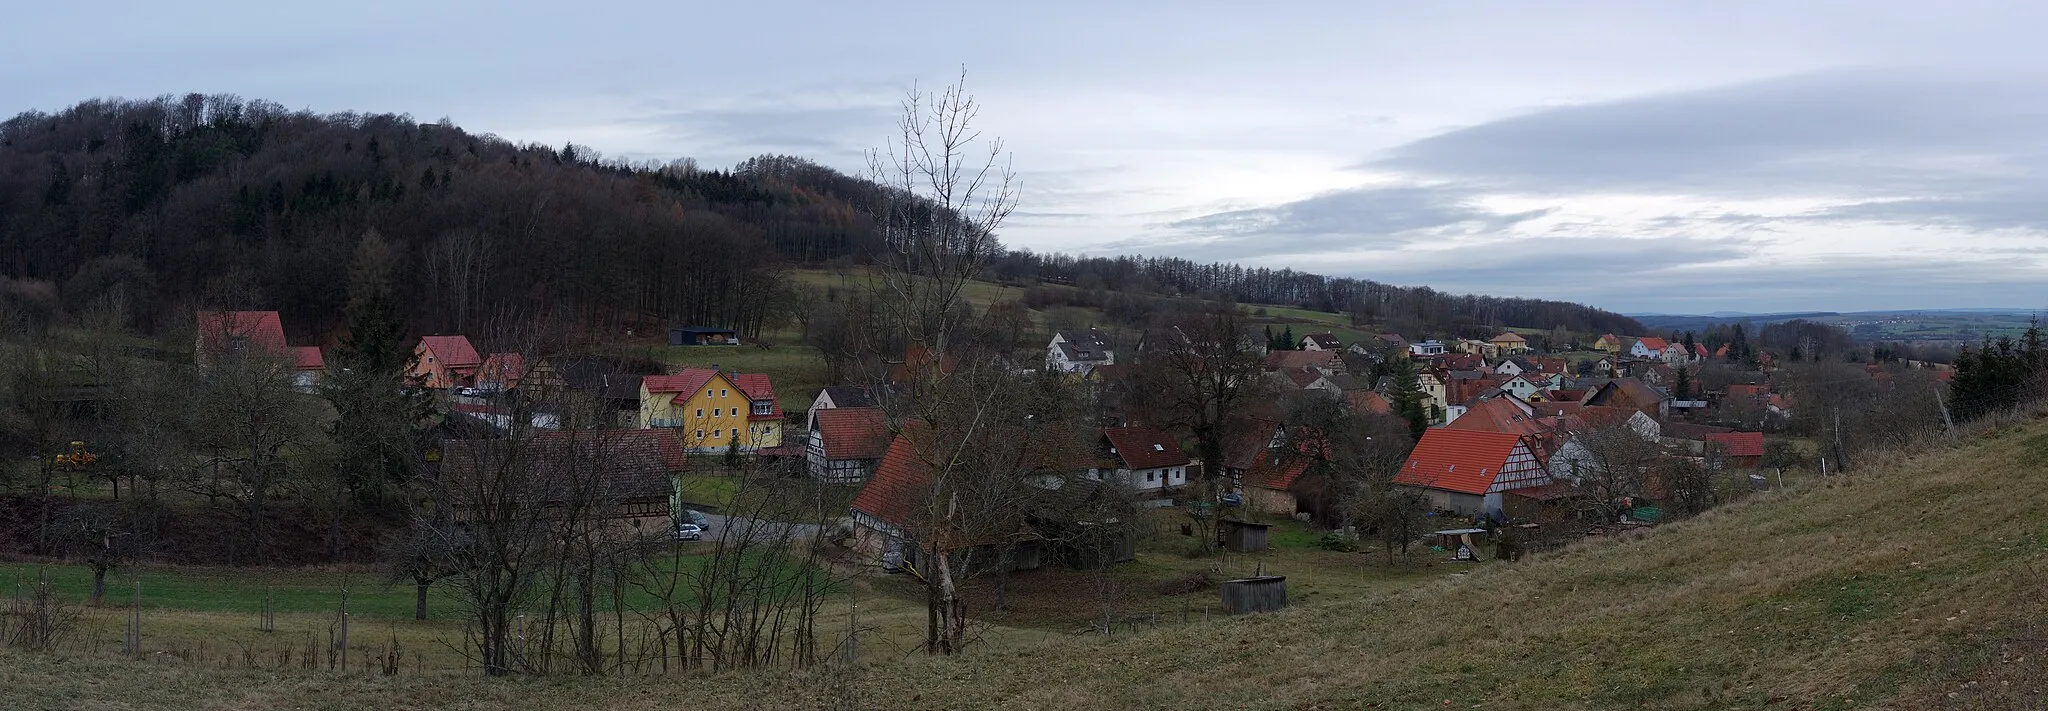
(1185, 583)
(1337, 541)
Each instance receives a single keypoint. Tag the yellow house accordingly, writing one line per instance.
(1511, 343)
(713, 410)
(1608, 343)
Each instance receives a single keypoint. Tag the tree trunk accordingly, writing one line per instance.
(419, 598)
(99, 584)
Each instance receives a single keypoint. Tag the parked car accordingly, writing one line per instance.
(689, 532)
(469, 392)
(697, 517)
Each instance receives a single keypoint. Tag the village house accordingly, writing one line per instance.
(1426, 348)
(1324, 341)
(228, 334)
(832, 396)
(1480, 349)
(1325, 362)
(1297, 379)
(714, 410)
(888, 514)
(1632, 394)
(1078, 351)
(846, 444)
(1511, 343)
(1148, 460)
(500, 372)
(1607, 343)
(1390, 344)
(443, 362)
(1572, 461)
(1648, 347)
(1514, 366)
(1735, 450)
(1466, 471)
(583, 384)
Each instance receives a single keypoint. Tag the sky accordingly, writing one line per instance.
(1637, 156)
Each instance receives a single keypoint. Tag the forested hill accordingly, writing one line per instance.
(197, 199)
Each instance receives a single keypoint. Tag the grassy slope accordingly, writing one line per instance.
(1894, 589)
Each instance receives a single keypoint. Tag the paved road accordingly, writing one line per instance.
(759, 530)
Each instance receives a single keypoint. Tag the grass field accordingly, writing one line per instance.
(1918, 586)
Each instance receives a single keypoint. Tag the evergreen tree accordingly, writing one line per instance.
(377, 431)
(1682, 389)
(1407, 396)
(1287, 342)
(1272, 341)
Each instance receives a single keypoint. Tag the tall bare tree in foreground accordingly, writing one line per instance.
(1196, 375)
(946, 192)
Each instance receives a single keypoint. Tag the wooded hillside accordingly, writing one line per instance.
(219, 199)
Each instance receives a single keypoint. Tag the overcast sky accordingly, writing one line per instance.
(1639, 156)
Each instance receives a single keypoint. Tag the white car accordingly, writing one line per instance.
(469, 392)
(689, 532)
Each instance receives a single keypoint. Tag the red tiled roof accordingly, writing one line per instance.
(453, 351)
(755, 386)
(1572, 396)
(1245, 438)
(1145, 448)
(1301, 377)
(1497, 414)
(1277, 360)
(1556, 408)
(1276, 472)
(1654, 343)
(262, 328)
(1462, 361)
(1463, 461)
(899, 483)
(1509, 337)
(854, 432)
(308, 358)
(1739, 444)
(1605, 416)
(506, 368)
(1752, 393)
(690, 380)
(758, 387)
(1369, 402)
(1699, 350)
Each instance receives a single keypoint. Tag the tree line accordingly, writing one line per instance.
(161, 197)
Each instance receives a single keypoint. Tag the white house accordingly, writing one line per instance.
(1426, 348)
(1648, 347)
(1146, 459)
(1078, 351)
(1324, 341)
(835, 396)
(846, 444)
(1572, 461)
(1520, 387)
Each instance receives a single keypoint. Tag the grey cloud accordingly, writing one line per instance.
(1346, 219)
(1865, 132)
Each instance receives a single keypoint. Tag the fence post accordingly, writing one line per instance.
(131, 643)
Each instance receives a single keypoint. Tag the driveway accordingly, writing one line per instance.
(757, 529)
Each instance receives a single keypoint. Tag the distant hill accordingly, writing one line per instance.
(176, 198)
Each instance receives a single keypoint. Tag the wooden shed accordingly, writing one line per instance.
(702, 336)
(1242, 536)
(1263, 593)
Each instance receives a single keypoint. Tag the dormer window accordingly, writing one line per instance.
(764, 407)
(1158, 448)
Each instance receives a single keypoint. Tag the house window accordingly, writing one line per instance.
(716, 434)
(1149, 476)
(700, 412)
(721, 393)
(700, 434)
(763, 407)
(769, 430)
